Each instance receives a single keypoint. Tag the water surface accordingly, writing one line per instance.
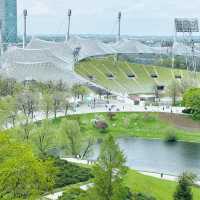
(159, 156)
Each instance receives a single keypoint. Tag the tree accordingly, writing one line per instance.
(22, 175)
(58, 99)
(71, 130)
(77, 144)
(191, 99)
(43, 138)
(47, 103)
(183, 190)
(109, 172)
(27, 102)
(79, 90)
(187, 84)
(174, 90)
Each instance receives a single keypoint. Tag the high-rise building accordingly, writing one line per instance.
(8, 18)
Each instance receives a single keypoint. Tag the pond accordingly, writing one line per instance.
(158, 156)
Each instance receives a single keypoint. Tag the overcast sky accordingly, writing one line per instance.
(139, 17)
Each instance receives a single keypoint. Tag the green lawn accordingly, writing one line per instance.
(144, 125)
(161, 189)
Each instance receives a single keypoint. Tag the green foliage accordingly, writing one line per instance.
(191, 99)
(174, 91)
(111, 115)
(142, 196)
(171, 136)
(109, 172)
(42, 138)
(72, 194)
(70, 173)
(184, 190)
(22, 175)
(102, 125)
(79, 90)
(71, 130)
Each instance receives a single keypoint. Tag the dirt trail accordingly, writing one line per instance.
(181, 121)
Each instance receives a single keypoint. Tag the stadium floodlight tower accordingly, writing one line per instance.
(119, 25)
(119, 17)
(186, 27)
(1, 39)
(25, 13)
(69, 23)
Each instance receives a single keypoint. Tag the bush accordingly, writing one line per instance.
(142, 196)
(196, 115)
(148, 117)
(102, 125)
(184, 190)
(111, 115)
(70, 173)
(187, 111)
(171, 136)
(72, 194)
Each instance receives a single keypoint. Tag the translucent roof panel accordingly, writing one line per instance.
(132, 47)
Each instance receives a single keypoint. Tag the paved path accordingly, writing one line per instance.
(117, 106)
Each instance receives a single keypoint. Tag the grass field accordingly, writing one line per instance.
(100, 68)
(160, 189)
(144, 125)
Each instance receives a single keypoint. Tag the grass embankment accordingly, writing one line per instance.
(160, 189)
(144, 125)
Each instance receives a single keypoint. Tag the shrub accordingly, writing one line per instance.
(148, 117)
(196, 115)
(171, 136)
(111, 115)
(183, 190)
(142, 196)
(126, 122)
(187, 111)
(102, 125)
(69, 173)
(72, 194)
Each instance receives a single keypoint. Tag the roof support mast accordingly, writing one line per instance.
(25, 13)
(69, 23)
(119, 25)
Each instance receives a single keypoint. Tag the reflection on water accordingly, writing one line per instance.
(159, 156)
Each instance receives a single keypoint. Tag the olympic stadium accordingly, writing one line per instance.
(92, 62)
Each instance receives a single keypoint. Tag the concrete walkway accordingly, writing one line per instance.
(116, 107)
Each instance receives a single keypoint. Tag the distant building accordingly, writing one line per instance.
(8, 18)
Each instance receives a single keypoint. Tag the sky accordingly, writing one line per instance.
(139, 17)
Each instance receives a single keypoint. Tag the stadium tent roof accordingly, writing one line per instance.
(60, 50)
(88, 47)
(132, 47)
(47, 60)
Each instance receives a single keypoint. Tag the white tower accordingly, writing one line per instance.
(25, 13)
(119, 25)
(69, 23)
